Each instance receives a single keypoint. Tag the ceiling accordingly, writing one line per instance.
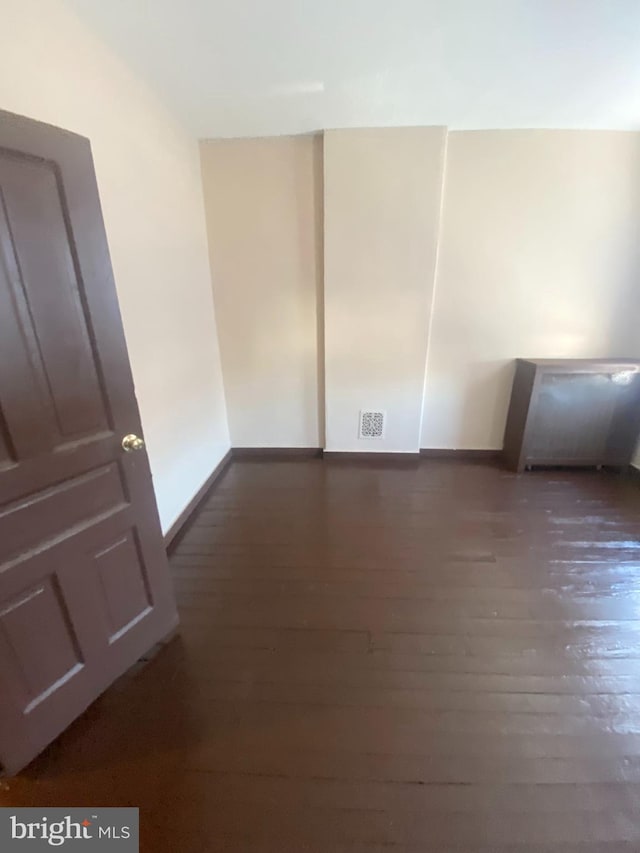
(263, 67)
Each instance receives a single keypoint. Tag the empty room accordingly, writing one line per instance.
(320, 426)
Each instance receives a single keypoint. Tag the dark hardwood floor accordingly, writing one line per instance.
(441, 656)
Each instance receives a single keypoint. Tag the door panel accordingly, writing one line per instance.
(84, 582)
(42, 658)
(126, 595)
(64, 399)
(46, 513)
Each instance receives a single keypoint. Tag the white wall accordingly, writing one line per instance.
(539, 257)
(263, 199)
(55, 70)
(382, 191)
(292, 66)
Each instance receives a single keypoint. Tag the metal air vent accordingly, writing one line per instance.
(371, 424)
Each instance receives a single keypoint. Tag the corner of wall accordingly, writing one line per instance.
(263, 208)
(210, 266)
(434, 278)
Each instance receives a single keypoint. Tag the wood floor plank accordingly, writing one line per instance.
(382, 658)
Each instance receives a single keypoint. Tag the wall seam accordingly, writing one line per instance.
(436, 263)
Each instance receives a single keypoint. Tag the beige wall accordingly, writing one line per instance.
(53, 69)
(263, 200)
(539, 257)
(382, 207)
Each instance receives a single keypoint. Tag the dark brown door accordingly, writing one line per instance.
(84, 582)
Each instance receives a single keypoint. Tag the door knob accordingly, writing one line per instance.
(132, 442)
